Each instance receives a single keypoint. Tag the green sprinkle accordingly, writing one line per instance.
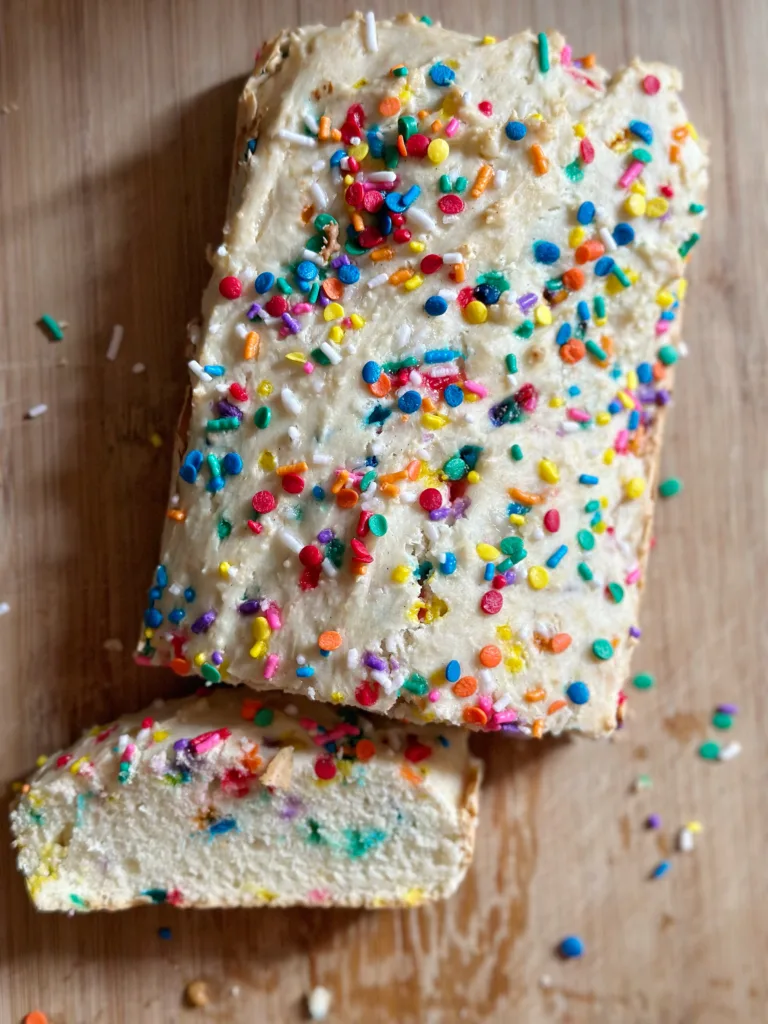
(426, 19)
(322, 220)
(407, 126)
(722, 720)
(400, 72)
(586, 540)
(507, 563)
(511, 361)
(367, 480)
(670, 487)
(709, 751)
(78, 901)
(400, 364)
(496, 278)
(643, 681)
(642, 155)
(52, 327)
(512, 546)
(377, 525)
(584, 571)
(224, 529)
(264, 716)
(444, 183)
(225, 423)
(602, 649)
(262, 417)
(320, 357)
(416, 684)
(460, 184)
(314, 291)
(620, 276)
(688, 244)
(574, 171)
(667, 355)
(213, 464)
(594, 350)
(284, 287)
(696, 208)
(543, 53)
(391, 156)
(599, 307)
(525, 330)
(516, 452)
(592, 506)
(210, 673)
(334, 551)
(616, 591)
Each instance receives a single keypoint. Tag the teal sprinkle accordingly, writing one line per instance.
(52, 327)
(495, 278)
(213, 464)
(620, 276)
(511, 362)
(525, 330)
(574, 171)
(358, 842)
(314, 291)
(425, 18)
(156, 895)
(400, 364)
(688, 244)
(543, 53)
(642, 155)
(315, 838)
(585, 572)
(78, 901)
(445, 183)
(516, 452)
(599, 307)
(284, 287)
(460, 184)
(594, 349)
(223, 424)
(696, 208)
(320, 357)
(367, 480)
(224, 529)
(334, 551)
(667, 355)
(416, 684)
(37, 817)
(80, 802)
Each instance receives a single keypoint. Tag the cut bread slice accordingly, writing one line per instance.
(430, 383)
(229, 800)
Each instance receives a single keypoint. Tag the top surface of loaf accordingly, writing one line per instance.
(427, 392)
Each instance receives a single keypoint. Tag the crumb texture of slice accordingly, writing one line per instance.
(231, 799)
(429, 386)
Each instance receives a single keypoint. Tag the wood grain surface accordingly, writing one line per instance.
(115, 139)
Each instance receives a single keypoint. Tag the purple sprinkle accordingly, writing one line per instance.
(653, 821)
(342, 260)
(460, 506)
(325, 536)
(204, 623)
(181, 745)
(394, 664)
(373, 661)
(249, 607)
(225, 408)
(292, 808)
(510, 727)
(728, 709)
(217, 657)
(291, 323)
(527, 301)
(254, 311)
(322, 299)
(509, 577)
(662, 396)
(439, 513)
(635, 632)
(646, 393)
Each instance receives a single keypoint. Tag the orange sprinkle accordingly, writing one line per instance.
(176, 514)
(389, 478)
(659, 371)
(252, 345)
(674, 154)
(295, 467)
(556, 705)
(402, 149)
(329, 640)
(347, 498)
(573, 279)
(357, 221)
(436, 125)
(364, 750)
(400, 276)
(251, 759)
(307, 213)
(573, 351)
(333, 288)
(474, 715)
(389, 106)
(680, 134)
(413, 469)
(560, 642)
(536, 694)
(555, 298)
(339, 482)
(335, 134)
(381, 387)
(249, 707)
(180, 666)
(590, 250)
(606, 343)
(588, 61)
(427, 404)
(538, 159)
(422, 114)
(482, 181)
(377, 255)
(459, 273)
(465, 687)
(391, 490)
(359, 568)
(410, 775)
(490, 656)
(537, 728)
(35, 1017)
(324, 128)
(526, 497)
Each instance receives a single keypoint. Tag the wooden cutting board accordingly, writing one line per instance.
(115, 138)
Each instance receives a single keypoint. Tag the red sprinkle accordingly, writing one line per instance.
(372, 201)
(402, 235)
(491, 602)
(431, 263)
(362, 522)
(356, 194)
(498, 583)
(552, 520)
(430, 499)
(230, 288)
(398, 219)
(277, 305)
(255, 527)
(367, 693)
(264, 501)
(651, 85)
(359, 551)
(293, 483)
(668, 191)
(417, 145)
(238, 392)
(311, 556)
(416, 752)
(369, 238)
(325, 768)
(485, 107)
(464, 297)
(587, 151)
(451, 204)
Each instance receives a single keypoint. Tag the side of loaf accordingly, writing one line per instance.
(437, 351)
(230, 800)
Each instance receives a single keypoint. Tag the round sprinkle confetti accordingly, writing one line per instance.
(490, 656)
(264, 282)
(670, 487)
(651, 85)
(435, 305)
(552, 520)
(571, 947)
(453, 395)
(546, 252)
(578, 693)
(515, 130)
(431, 263)
(263, 501)
(430, 499)
(491, 602)
(586, 213)
(409, 402)
(441, 74)
(453, 671)
(438, 150)
(230, 288)
(643, 681)
(476, 312)
(602, 649)
(709, 751)
(722, 720)
(538, 577)
(325, 768)
(377, 524)
(451, 204)
(586, 540)
(371, 372)
(330, 640)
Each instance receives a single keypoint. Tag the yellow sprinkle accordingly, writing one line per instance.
(664, 298)
(638, 188)
(632, 381)
(258, 650)
(348, 179)
(413, 283)
(199, 659)
(601, 321)
(576, 236)
(400, 573)
(473, 477)
(415, 246)
(267, 461)
(488, 552)
(149, 633)
(333, 311)
(613, 286)
(548, 471)
(476, 312)
(682, 288)
(579, 130)
(224, 568)
(538, 577)
(489, 40)
(635, 205)
(296, 357)
(265, 388)
(504, 632)
(438, 150)
(695, 827)
(359, 152)
(405, 96)
(603, 502)
(336, 334)
(656, 207)
(156, 440)
(542, 315)
(470, 396)
(261, 628)
(414, 897)
(517, 520)
(434, 421)
(357, 321)
(635, 487)
(608, 456)
(41, 760)
(78, 764)
(160, 735)
(360, 83)
(556, 402)
(599, 528)
(626, 400)
(603, 418)
(337, 698)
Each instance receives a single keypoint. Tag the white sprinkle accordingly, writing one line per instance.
(300, 140)
(122, 742)
(36, 410)
(331, 352)
(380, 278)
(317, 166)
(682, 349)
(503, 702)
(311, 692)
(728, 752)
(448, 370)
(569, 427)
(4, 607)
(329, 568)
(290, 540)
(685, 841)
(430, 531)
(242, 330)
(290, 401)
(300, 659)
(500, 178)
(174, 588)
(608, 240)
(319, 1003)
(353, 658)
(379, 677)
(382, 176)
(115, 342)
(113, 644)
(448, 294)
(453, 257)
(322, 458)
(138, 368)
(421, 219)
(294, 434)
(371, 42)
(403, 335)
(355, 140)
(319, 197)
(198, 371)
(311, 122)
(450, 218)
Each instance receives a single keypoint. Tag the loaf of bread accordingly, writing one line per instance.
(421, 449)
(230, 799)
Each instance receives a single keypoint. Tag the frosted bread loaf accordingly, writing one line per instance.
(232, 800)
(429, 387)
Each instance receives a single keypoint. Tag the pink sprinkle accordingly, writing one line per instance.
(622, 442)
(586, 151)
(308, 367)
(633, 575)
(301, 307)
(477, 389)
(651, 85)
(270, 665)
(319, 896)
(510, 715)
(662, 326)
(485, 702)
(272, 615)
(283, 332)
(452, 127)
(142, 659)
(579, 415)
(631, 174)
(308, 723)
(129, 752)
(434, 696)
(566, 54)
(208, 740)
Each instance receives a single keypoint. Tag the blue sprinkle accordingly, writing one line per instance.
(448, 564)
(571, 947)
(546, 252)
(264, 282)
(155, 593)
(371, 372)
(441, 355)
(219, 828)
(215, 484)
(304, 671)
(614, 406)
(515, 130)
(152, 618)
(395, 201)
(161, 576)
(604, 266)
(574, 390)
(623, 234)
(306, 271)
(409, 402)
(164, 933)
(633, 420)
(589, 479)
(318, 493)
(190, 595)
(645, 373)
(375, 145)
(667, 315)
(557, 556)
(582, 311)
(348, 274)
(453, 395)
(176, 615)
(661, 869)
(578, 693)
(215, 370)
(435, 305)
(232, 463)
(488, 572)
(563, 334)
(453, 671)
(385, 224)
(441, 74)
(586, 213)
(642, 131)
(410, 197)
(337, 157)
